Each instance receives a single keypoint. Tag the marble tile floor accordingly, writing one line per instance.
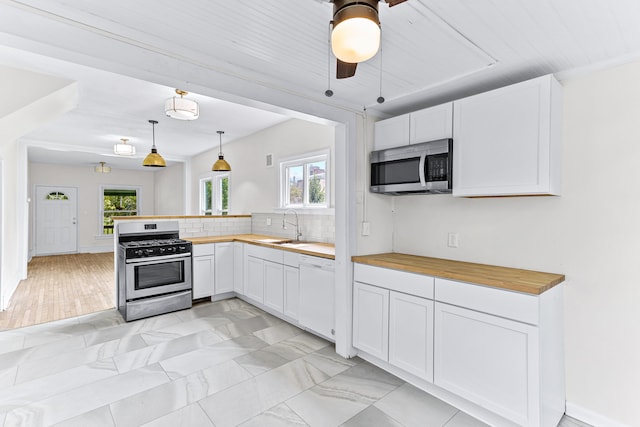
(219, 364)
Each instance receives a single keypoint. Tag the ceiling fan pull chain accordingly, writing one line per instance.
(329, 93)
(380, 98)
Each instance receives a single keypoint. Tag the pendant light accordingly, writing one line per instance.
(221, 164)
(101, 168)
(124, 149)
(154, 159)
(181, 108)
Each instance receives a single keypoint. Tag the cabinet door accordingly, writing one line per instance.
(273, 286)
(203, 276)
(291, 292)
(317, 300)
(432, 123)
(392, 132)
(371, 320)
(507, 141)
(254, 279)
(488, 360)
(224, 268)
(411, 334)
(238, 267)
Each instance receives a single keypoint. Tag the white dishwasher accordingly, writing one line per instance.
(317, 283)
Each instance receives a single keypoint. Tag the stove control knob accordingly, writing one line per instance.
(182, 248)
(138, 252)
(171, 249)
(161, 250)
(149, 251)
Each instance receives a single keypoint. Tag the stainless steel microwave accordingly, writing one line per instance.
(416, 168)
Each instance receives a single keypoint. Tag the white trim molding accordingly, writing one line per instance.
(590, 417)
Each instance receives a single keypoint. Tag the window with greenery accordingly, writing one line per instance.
(304, 181)
(56, 195)
(117, 202)
(214, 195)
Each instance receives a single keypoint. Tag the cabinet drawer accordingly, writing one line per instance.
(204, 249)
(273, 255)
(401, 281)
(499, 302)
(291, 259)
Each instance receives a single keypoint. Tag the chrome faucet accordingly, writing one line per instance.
(297, 223)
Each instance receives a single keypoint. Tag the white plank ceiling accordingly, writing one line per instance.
(432, 51)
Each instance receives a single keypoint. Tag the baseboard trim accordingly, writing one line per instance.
(590, 417)
(95, 249)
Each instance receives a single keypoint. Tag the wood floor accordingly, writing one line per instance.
(61, 286)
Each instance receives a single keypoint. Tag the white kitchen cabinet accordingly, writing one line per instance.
(274, 286)
(411, 334)
(224, 268)
(238, 267)
(291, 292)
(203, 265)
(431, 124)
(392, 132)
(488, 360)
(507, 142)
(254, 279)
(371, 319)
(317, 290)
(424, 125)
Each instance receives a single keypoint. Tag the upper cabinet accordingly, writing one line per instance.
(507, 142)
(420, 126)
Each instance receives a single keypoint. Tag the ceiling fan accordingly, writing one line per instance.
(355, 35)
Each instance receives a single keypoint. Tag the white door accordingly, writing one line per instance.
(56, 220)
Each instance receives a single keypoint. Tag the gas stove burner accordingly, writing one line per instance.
(155, 248)
(153, 242)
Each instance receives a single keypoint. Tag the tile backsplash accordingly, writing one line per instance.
(315, 228)
(214, 226)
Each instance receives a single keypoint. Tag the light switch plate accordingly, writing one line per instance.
(453, 240)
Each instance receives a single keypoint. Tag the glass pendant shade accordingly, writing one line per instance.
(181, 108)
(101, 168)
(154, 159)
(356, 33)
(221, 165)
(124, 149)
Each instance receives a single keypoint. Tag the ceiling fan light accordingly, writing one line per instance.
(101, 168)
(181, 108)
(356, 34)
(124, 149)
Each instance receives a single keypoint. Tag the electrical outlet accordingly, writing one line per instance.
(453, 240)
(366, 228)
(268, 221)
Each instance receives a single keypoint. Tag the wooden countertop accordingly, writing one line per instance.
(323, 250)
(527, 281)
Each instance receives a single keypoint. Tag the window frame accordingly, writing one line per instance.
(101, 210)
(304, 160)
(216, 194)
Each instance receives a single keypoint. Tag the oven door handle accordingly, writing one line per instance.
(423, 159)
(156, 259)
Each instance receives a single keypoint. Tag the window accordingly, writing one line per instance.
(117, 202)
(214, 195)
(57, 196)
(304, 181)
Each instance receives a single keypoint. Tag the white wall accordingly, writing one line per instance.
(169, 189)
(591, 234)
(255, 187)
(88, 183)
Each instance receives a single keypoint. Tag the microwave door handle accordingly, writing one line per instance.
(423, 159)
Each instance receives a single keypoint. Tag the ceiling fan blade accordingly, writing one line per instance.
(345, 69)
(394, 2)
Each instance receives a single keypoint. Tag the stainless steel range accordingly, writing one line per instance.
(154, 269)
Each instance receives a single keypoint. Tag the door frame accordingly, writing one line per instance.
(35, 216)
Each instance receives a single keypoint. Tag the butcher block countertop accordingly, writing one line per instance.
(513, 279)
(323, 250)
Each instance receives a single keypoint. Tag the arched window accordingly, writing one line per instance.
(56, 195)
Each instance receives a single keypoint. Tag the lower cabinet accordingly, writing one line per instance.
(203, 264)
(238, 267)
(254, 279)
(291, 292)
(371, 320)
(224, 268)
(411, 334)
(273, 286)
(488, 360)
